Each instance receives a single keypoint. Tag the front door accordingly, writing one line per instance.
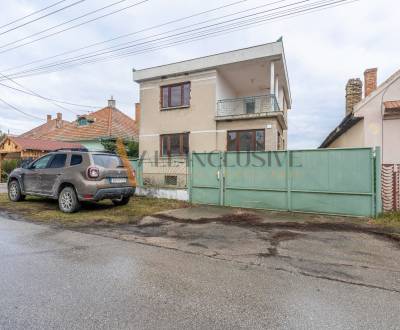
(48, 176)
(32, 174)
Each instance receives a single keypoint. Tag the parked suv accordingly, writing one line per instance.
(72, 176)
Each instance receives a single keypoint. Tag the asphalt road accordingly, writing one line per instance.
(59, 279)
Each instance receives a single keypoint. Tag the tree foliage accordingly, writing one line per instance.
(132, 147)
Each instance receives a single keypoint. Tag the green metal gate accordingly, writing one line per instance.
(332, 181)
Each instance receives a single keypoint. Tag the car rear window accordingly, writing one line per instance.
(76, 160)
(107, 161)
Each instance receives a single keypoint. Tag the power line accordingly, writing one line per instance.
(127, 35)
(38, 95)
(181, 28)
(20, 111)
(33, 13)
(69, 28)
(50, 99)
(41, 17)
(226, 29)
(61, 24)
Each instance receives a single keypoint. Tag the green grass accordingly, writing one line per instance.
(103, 213)
(389, 219)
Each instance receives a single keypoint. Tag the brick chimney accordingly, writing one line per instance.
(138, 111)
(48, 118)
(353, 94)
(111, 102)
(370, 80)
(59, 121)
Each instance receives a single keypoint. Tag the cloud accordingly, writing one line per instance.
(323, 50)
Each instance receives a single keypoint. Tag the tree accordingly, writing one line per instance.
(132, 147)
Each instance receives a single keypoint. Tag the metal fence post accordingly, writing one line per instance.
(190, 175)
(378, 183)
(288, 182)
(221, 171)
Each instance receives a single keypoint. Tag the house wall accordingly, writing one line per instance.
(373, 124)
(198, 119)
(354, 137)
(206, 134)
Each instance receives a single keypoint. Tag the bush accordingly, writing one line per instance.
(7, 166)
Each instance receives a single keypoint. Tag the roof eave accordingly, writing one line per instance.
(210, 62)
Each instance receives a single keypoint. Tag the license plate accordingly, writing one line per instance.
(118, 180)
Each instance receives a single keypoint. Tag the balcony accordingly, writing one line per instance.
(247, 107)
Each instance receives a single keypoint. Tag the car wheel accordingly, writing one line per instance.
(68, 201)
(14, 192)
(121, 201)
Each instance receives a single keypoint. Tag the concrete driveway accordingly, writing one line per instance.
(52, 278)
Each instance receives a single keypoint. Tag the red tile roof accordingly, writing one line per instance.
(42, 145)
(107, 122)
(41, 130)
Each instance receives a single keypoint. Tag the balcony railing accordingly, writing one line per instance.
(248, 106)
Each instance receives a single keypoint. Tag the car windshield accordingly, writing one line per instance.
(107, 161)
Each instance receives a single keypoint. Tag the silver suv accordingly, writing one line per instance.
(73, 176)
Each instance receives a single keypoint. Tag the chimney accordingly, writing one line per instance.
(353, 94)
(48, 118)
(138, 111)
(111, 102)
(370, 80)
(59, 120)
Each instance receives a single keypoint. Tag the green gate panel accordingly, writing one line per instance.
(205, 183)
(332, 181)
(255, 170)
(342, 170)
(357, 205)
(272, 200)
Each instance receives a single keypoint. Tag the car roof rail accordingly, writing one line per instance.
(73, 149)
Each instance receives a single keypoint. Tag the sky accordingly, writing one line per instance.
(323, 50)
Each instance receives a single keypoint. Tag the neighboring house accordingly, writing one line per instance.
(373, 121)
(13, 147)
(233, 101)
(90, 129)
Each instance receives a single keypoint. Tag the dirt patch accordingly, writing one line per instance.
(253, 220)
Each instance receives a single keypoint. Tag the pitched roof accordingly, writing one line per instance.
(43, 145)
(41, 130)
(104, 123)
(348, 122)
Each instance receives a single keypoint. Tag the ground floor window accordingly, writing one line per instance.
(246, 140)
(174, 144)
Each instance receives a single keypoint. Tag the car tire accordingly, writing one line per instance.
(14, 192)
(68, 200)
(121, 201)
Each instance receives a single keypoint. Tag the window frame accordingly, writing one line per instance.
(169, 87)
(181, 144)
(253, 139)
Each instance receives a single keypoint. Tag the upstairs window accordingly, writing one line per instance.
(174, 144)
(175, 96)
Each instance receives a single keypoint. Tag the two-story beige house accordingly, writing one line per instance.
(233, 101)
